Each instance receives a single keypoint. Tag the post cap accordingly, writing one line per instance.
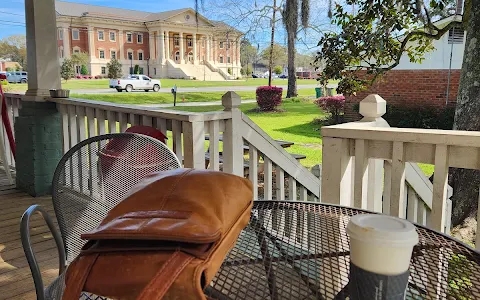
(231, 100)
(373, 106)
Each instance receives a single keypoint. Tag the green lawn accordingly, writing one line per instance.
(79, 84)
(163, 98)
(295, 124)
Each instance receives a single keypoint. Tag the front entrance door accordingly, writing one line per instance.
(177, 57)
(190, 57)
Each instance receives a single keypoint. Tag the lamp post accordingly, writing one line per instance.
(130, 56)
(148, 66)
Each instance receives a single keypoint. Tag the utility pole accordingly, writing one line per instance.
(271, 44)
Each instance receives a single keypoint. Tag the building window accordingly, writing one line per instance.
(456, 35)
(176, 40)
(104, 70)
(113, 54)
(60, 34)
(189, 42)
(76, 51)
(101, 53)
(221, 59)
(139, 38)
(228, 45)
(101, 36)
(130, 55)
(129, 37)
(221, 45)
(75, 34)
(113, 36)
(140, 55)
(228, 60)
(78, 69)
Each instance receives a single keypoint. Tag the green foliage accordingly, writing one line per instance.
(278, 70)
(248, 53)
(418, 117)
(375, 38)
(5, 87)
(136, 69)
(229, 70)
(79, 59)
(279, 54)
(246, 70)
(10, 69)
(459, 283)
(14, 48)
(67, 70)
(84, 70)
(114, 68)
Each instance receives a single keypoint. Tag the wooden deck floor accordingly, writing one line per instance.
(15, 277)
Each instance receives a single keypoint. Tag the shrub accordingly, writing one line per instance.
(114, 68)
(5, 87)
(97, 77)
(418, 117)
(333, 104)
(78, 77)
(84, 70)
(67, 70)
(269, 97)
(229, 70)
(278, 70)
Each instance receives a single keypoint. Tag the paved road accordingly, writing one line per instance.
(193, 89)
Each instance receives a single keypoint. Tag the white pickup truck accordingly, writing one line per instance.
(135, 82)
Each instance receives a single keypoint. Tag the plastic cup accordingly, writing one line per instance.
(380, 251)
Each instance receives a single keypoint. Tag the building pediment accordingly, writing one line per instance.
(187, 17)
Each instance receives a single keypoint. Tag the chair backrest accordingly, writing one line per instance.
(96, 174)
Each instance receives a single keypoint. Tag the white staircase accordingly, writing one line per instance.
(191, 71)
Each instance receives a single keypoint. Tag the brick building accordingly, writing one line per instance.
(165, 44)
(420, 84)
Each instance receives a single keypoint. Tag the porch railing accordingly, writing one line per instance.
(274, 173)
(401, 188)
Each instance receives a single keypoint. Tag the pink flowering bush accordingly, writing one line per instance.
(269, 97)
(333, 104)
(78, 76)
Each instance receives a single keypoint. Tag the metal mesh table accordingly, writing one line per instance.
(298, 250)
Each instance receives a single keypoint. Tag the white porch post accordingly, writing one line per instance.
(232, 136)
(91, 46)
(66, 42)
(42, 54)
(194, 43)
(160, 47)
(122, 44)
(182, 48)
(238, 53)
(167, 45)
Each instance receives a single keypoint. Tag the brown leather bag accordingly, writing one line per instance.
(166, 240)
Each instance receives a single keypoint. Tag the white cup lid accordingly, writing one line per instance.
(382, 229)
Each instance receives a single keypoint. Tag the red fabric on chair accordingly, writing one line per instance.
(149, 131)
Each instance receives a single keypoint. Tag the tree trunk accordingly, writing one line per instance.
(292, 78)
(465, 183)
(270, 63)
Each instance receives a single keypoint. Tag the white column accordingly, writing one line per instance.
(42, 54)
(160, 47)
(167, 46)
(194, 43)
(208, 54)
(66, 42)
(151, 44)
(182, 50)
(237, 53)
(214, 46)
(122, 44)
(91, 43)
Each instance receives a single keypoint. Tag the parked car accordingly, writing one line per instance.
(255, 76)
(18, 77)
(135, 82)
(283, 76)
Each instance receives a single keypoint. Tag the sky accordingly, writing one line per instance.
(12, 19)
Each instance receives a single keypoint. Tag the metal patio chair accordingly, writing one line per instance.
(90, 179)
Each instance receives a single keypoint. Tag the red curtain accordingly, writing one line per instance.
(6, 121)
